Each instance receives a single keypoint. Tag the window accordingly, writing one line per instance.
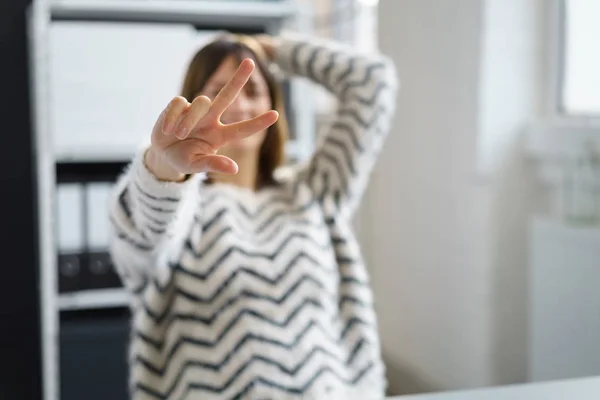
(579, 93)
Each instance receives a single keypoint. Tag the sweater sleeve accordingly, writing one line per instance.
(365, 86)
(147, 216)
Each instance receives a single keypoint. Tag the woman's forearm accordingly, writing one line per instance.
(144, 213)
(160, 168)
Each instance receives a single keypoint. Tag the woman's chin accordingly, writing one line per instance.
(251, 143)
(240, 146)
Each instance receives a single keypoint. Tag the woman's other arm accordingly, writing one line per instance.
(366, 88)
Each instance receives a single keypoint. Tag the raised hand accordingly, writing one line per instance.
(187, 136)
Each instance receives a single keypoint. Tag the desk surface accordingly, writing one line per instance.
(574, 389)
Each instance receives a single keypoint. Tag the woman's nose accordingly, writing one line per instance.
(241, 105)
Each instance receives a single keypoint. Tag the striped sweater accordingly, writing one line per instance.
(261, 295)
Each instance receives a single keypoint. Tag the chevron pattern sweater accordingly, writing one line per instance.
(261, 295)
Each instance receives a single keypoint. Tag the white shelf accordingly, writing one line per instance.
(98, 154)
(94, 299)
(119, 154)
(233, 13)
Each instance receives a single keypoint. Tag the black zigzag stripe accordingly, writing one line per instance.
(138, 290)
(252, 254)
(152, 197)
(280, 213)
(219, 389)
(123, 202)
(341, 260)
(156, 231)
(285, 198)
(296, 66)
(310, 65)
(208, 321)
(326, 72)
(292, 372)
(240, 206)
(248, 271)
(218, 366)
(349, 69)
(350, 131)
(351, 322)
(161, 210)
(337, 197)
(126, 238)
(303, 222)
(337, 240)
(315, 168)
(368, 101)
(265, 224)
(347, 299)
(368, 76)
(232, 300)
(158, 318)
(303, 388)
(363, 122)
(151, 218)
(217, 216)
(325, 155)
(335, 142)
(132, 242)
(351, 279)
(178, 268)
(249, 337)
(183, 340)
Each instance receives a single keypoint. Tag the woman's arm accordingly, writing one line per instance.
(153, 204)
(365, 86)
(146, 214)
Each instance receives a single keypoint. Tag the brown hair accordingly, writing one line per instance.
(208, 59)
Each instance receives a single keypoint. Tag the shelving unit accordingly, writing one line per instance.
(269, 16)
(221, 13)
(94, 299)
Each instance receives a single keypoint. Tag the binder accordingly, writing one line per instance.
(100, 271)
(70, 239)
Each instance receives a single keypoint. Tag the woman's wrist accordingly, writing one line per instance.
(268, 44)
(160, 168)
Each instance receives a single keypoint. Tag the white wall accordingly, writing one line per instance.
(448, 214)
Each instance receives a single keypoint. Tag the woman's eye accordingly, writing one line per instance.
(252, 92)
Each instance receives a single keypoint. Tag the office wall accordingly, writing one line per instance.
(449, 204)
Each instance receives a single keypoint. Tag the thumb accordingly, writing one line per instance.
(214, 163)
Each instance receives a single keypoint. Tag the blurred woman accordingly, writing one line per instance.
(245, 285)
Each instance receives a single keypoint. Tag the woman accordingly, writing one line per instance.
(244, 285)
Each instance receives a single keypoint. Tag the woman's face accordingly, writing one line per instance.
(252, 101)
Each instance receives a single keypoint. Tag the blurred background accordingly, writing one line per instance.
(481, 225)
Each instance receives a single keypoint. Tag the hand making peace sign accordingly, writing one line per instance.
(188, 135)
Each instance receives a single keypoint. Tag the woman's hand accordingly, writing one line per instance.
(187, 136)
(268, 44)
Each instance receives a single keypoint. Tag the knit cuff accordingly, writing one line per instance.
(151, 185)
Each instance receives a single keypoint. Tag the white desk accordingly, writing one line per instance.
(574, 389)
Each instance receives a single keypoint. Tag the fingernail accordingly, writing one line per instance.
(181, 132)
(167, 128)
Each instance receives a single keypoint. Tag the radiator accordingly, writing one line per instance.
(564, 301)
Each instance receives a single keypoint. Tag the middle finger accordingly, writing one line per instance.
(196, 112)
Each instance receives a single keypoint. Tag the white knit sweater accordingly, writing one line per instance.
(261, 295)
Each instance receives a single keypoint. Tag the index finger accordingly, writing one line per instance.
(230, 91)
